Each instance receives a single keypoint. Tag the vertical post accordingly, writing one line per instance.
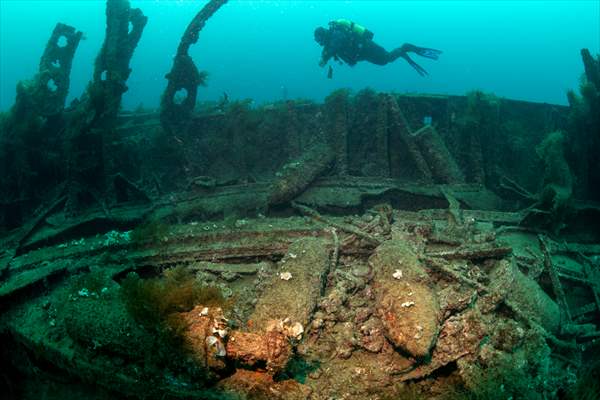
(184, 77)
(96, 115)
(382, 154)
(337, 110)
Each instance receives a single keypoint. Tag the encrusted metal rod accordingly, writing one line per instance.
(588, 274)
(314, 214)
(441, 163)
(472, 252)
(514, 187)
(297, 175)
(190, 36)
(399, 124)
(439, 265)
(335, 256)
(540, 329)
(556, 285)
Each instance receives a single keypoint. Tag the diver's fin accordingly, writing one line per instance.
(422, 51)
(416, 66)
(429, 53)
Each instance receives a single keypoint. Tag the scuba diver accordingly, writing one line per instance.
(349, 42)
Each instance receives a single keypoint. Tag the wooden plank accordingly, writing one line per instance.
(30, 277)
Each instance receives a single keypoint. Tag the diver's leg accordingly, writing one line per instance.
(374, 53)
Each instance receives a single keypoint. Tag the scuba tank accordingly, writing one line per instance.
(353, 27)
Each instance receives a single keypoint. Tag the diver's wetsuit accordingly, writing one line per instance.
(345, 43)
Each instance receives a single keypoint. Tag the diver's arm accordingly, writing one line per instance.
(335, 43)
(325, 57)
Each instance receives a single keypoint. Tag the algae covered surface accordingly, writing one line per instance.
(370, 246)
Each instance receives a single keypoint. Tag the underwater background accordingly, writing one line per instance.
(265, 50)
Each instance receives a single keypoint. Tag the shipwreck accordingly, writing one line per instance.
(374, 246)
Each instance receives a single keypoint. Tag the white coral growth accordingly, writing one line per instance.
(285, 276)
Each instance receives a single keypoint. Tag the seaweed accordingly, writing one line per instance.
(149, 233)
(584, 124)
(516, 153)
(156, 305)
(555, 196)
(154, 302)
